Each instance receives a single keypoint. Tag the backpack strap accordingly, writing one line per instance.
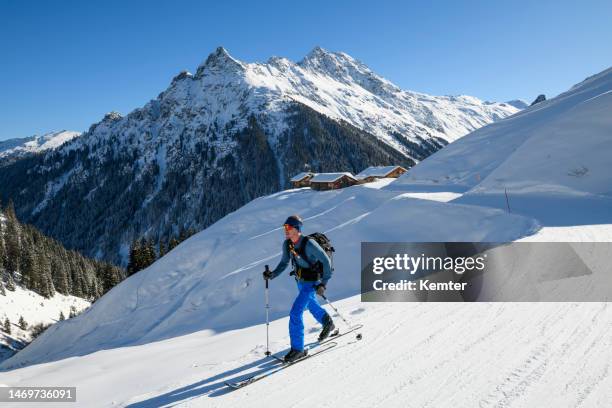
(301, 250)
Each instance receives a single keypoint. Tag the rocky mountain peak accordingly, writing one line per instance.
(323, 60)
(182, 75)
(112, 116)
(218, 61)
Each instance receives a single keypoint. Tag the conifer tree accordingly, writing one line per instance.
(110, 277)
(149, 255)
(7, 326)
(11, 238)
(30, 275)
(60, 277)
(94, 289)
(2, 249)
(61, 316)
(23, 325)
(134, 258)
(162, 248)
(182, 235)
(173, 244)
(10, 283)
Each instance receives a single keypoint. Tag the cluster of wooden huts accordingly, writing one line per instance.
(331, 181)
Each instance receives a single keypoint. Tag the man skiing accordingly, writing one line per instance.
(312, 270)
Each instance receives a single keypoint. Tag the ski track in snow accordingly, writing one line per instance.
(411, 355)
(436, 360)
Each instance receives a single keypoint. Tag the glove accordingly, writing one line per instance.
(268, 274)
(320, 288)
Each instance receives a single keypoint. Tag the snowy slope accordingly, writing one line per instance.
(552, 160)
(412, 354)
(561, 145)
(35, 309)
(203, 284)
(18, 147)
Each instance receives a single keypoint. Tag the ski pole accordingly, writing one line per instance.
(336, 310)
(267, 315)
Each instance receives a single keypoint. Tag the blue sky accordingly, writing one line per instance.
(63, 64)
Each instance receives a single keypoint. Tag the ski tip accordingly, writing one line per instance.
(240, 384)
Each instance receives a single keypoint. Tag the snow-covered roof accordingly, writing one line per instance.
(301, 176)
(329, 177)
(376, 171)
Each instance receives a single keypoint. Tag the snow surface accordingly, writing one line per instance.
(561, 145)
(35, 144)
(34, 309)
(518, 103)
(203, 285)
(552, 160)
(411, 355)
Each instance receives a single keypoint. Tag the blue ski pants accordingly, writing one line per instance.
(306, 298)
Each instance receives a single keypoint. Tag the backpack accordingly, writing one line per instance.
(313, 273)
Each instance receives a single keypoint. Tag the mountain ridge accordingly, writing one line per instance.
(197, 151)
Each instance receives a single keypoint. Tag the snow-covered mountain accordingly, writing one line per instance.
(215, 140)
(195, 315)
(15, 148)
(339, 86)
(518, 103)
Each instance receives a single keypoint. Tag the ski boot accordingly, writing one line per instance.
(294, 354)
(328, 327)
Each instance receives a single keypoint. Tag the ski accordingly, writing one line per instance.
(239, 384)
(336, 334)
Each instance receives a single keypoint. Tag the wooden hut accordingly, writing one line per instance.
(332, 181)
(377, 172)
(302, 179)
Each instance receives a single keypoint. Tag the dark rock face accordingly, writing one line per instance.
(97, 198)
(540, 98)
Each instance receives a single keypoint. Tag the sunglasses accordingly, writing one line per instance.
(287, 227)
